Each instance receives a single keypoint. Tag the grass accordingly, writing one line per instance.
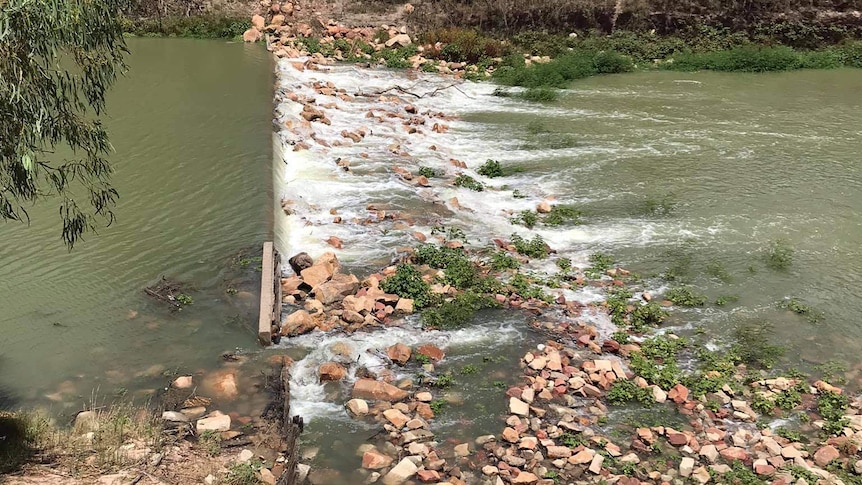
(243, 474)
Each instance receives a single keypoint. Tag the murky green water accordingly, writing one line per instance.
(742, 160)
(191, 127)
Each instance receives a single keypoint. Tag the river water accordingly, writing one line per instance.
(191, 126)
(695, 173)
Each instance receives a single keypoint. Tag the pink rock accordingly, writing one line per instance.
(825, 455)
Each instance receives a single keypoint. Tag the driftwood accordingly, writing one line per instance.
(278, 410)
(411, 93)
(167, 291)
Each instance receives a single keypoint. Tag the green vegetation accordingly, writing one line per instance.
(832, 407)
(565, 264)
(524, 287)
(561, 71)
(421, 358)
(57, 62)
(444, 381)
(457, 312)
(407, 282)
(502, 260)
(779, 255)
(625, 391)
(438, 257)
(685, 296)
(833, 372)
(660, 205)
(200, 26)
(757, 59)
(437, 406)
(752, 345)
(184, 299)
(562, 214)
(534, 248)
(717, 270)
(491, 169)
(526, 218)
(243, 474)
(799, 308)
(469, 369)
(211, 442)
(795, 436)
(600, 263)
(725, 299)
(469, 182)
(427, 172)
(541, 94)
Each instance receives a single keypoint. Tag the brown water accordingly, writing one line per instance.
(191, 125)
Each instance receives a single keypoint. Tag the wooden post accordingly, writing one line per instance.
(267, 295)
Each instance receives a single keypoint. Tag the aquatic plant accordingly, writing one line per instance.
(438, 257)
(563, 214)
(460, 273)
(457, 312)
(561, 71)
(751, 344)
(685, 296)
(832, 407)
(625, 391)
(799, 308)
(534, 248)
(427, 172)
(779, 255)
(502, 260)
(600, 263)
(540, 94)
(564, 264)
(469, 182)
(184, 299)
(717, 270)
(407, 282)
(491, 169)
(526, 218)
(723, 300)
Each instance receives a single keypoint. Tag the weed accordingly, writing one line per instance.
(621, 337)
(469, 182)
(516, 194)
(717, 270)
(526, 218)
(600, 263)
(752, 345)
(502, 260)
(625, 391)
(541, 94)
(458, 312)
(794, 436)
(452, 233)
(799, 308)
(243, 474)
(439, 257)
(499, 384)
(648, 315)
(572, 440)
(524, 287)
(725, 299)
(833, 372)
(407, 282)
(460, 273)
(565, 264)
(437, 406)
(469, 369)
(534, 248)
(428, 172)
(491, 169)
(685, 296)
(562, 214)
(211, 442)
(779, 255)
(444, 380)
(184, 299)
(660, 205)
(421, 358)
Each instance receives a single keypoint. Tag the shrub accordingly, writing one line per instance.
(832, 407)
(539, 95)
(491, 169)
(469, 182)
(852, 54)
(625, 391)
(458, 312)
(407, 282)
(438, 257)
(647, 315)
(502, 260)
(427, 172)
(460, 273)
(685, 296)
(740, 59)
(534, 248)
(779, 255)
(564, 264)
(526, 218)
(600, 263)
(561, 214)
(464, 45)
(561, 71)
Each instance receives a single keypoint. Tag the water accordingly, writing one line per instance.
(694, 172)
(191, 125)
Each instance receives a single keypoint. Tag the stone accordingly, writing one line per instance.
(735, 453)
(658, 394)
(215, 421)
(358, 304)
(317, 274)
(223, 384)
(678, 394)
(297, 323)
(400, 40)
(404, 305)
(399, 353)
(543, 208)
(336, 289)
(267, 477)
(182, 382)
(170, 416)
(686, 466)
(432, 352)
(377, 390)
(559, 452)
(519, 407)
(462, 450)
(596, 464)
(251, 35)
(424, 396)
(510, 435)
(299, 262)
(710, 452)
(825, 455)
(86, 422)
(582, 457)
(525, 477)
(357, 407)
(258, 22)
(428, 476)
(331, 371)
(790, 452)
(352, 317)
(857, 467)
(245, 456)
(396, 417)
(400, 473)
(374, 460)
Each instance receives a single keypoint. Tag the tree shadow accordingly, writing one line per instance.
(18, 438)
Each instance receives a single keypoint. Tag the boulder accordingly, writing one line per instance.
(358, 304)
(86, 421)
(399, 353)
(336, 289)
(316, 275)
(357, 407)
(352, 317)
(342, 351)
(400, 473)
(543, 208)
(182, 382)
(297, 323)
(374, 460)
(431, 351)
(404, 305)
(216, 421)
(300, 262)
(290, 286)
(330, 371)
(396, 417)
(251, 35)
(400, 40)
(330, 260)
(377, 390)
(825, 455)
(258, 22)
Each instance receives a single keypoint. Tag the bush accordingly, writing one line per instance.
(438, 256)
(502, 260)
(491, 169)
(460, 273)
(407, 282)
(625, 391)
(685, 296)
(779, 255)
(526, 218)
(464, 45)
(204, 27)
(852, 54)
(561, 214)
(740, 59)
(539, 95)
(561, 71)
(534, 248)
(469, 182)
(458, 312)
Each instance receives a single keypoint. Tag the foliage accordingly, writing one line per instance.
(561, 214)
(427, 172)
(832, 407)
(625, 391)
(833, 372)
(421, 358)
(541, 94)
(564, 264)
(525, 288)
(437, 406)
(491, 169)
(526, 218)
(685, 296)
(438, 256)
(464, 45)
(469, 182)
(184, 299)
(460, 273)
(534, 248)
(779, 255)
(648, 315)
(469, 369)
(600, 263)
(663, 205)
(723, 300)
(407, 282)
(457, 312)
(502, 260)
(794, 436)
(561, 71)
(717, 270)
(452, 233)
(572, 440)
(444, 380)
(754, 59)
(243, 474)
(197, 26)
(57, 61)
(621, 337)
(799, 308)
(740, 475)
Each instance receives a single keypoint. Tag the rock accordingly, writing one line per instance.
(735, 453)
(331, 371)
(216, 421)
(357, 407)
(658, 394)
(297, 323)
(374, 460)
(171, 416)
(377, 390)
(559, 452)
(336, 289)
(678, 394)
(342, 350)
(582, 457)
(519, 407)
(510, 435)
(396, 417)
(357, 304)
(245, 456)
(300, 262)
(302, 472)
(424, 396)
(404, 305)
(86, 422)
(258, 22)
(251, 35)
(194, 413)
(462, 450)
(710, 452)
(857, 467)
(525, 477)
(352, 317)
(543, 208)
(316, 275)
(399, 353)
(182, 382)
(432, 352)
(403, 471)
(223, 384)
(335, 242)
(428, 476)
(400, 40)
(596, 464)
(825, 455)
(686, 466)
(267, 477)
